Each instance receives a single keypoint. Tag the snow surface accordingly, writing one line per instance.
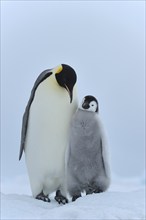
(124, 200)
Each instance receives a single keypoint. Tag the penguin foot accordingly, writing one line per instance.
(43, 197)
(75, 197)
(98, 190)
(89, 190)
(60, 198)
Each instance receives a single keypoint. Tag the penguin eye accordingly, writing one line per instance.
(92, 105)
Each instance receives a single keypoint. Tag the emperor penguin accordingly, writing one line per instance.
(45, 130)
(87, 157)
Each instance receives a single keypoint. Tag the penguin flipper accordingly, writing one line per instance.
(23, 131)
(40, 79)
(105, 157)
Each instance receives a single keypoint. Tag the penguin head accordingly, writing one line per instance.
(66, 77)
(89, 103)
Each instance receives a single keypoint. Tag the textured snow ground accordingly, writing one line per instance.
(109, 205)
(125, 200)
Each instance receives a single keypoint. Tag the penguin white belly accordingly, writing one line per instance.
(47, 137)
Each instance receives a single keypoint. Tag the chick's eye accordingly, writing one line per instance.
(92, 105)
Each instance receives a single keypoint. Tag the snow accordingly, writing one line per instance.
(108, 205)
(124, 200)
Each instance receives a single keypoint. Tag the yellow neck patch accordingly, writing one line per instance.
(57, 69)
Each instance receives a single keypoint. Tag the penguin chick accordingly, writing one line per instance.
(45, 126)
(87, 165)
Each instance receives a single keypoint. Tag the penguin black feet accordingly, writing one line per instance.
(98, 190)
(75, 197)
(90, 191)
(42, 197)
(60, 198)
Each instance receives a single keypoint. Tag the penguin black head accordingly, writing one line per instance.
(66, 77)
(90, 103)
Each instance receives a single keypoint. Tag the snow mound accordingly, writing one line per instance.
(108, 205)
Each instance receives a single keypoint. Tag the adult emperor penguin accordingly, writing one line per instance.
(87, 164)
(45, 128)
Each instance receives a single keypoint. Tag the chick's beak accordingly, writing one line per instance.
(70, 93)
(85, 105)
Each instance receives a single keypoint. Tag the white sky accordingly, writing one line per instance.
(104, 42)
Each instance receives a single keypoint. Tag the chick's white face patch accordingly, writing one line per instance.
(93, 106)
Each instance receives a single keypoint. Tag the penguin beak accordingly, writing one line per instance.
(69, 92)
(85, 105)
